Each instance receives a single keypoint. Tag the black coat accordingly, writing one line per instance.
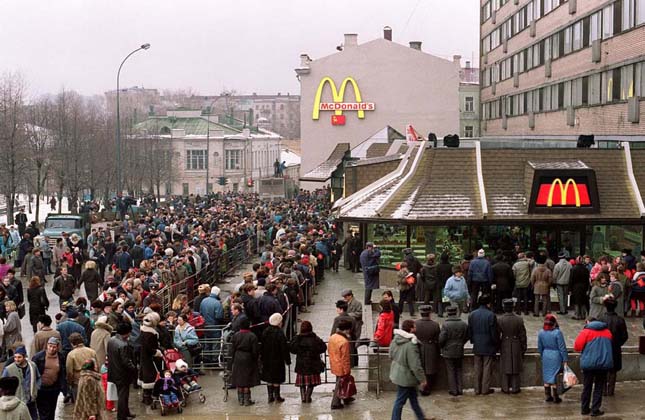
(274, 354)
(503, 276)
(308, 348)
(149, 347)
(513, 343)
(121, 367)
(38, 267)
(38, 302)
(579, 285)
(92, 280)
(483, 332)
(619, 336)
(428, 336)
(244, 354)
(444, 272)
(453, 336)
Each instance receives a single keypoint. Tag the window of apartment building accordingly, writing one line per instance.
(555, 97)
(627, 18)
(195, 160)
(577, 36)
(486, 12)
(640, 11)
(528, 101)
(567, 40)
(566, 94)
(468, 131)
(469, 105)
(595, 89)
(595, 26)
(233, 159)
(627, 82)
(608, 22)
(611, 82)
(495, 4)
(545, 97)
(639, 79)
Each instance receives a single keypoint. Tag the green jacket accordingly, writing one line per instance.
(28, 389)
(406, 369)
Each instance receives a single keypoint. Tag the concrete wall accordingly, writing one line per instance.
(407, 86)
(633, 370)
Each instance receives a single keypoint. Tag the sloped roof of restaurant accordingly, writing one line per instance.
(324, 171)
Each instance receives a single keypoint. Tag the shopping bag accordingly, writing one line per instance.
(346, 387)
(569, 378)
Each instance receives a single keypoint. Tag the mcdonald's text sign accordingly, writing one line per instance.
(338, 104)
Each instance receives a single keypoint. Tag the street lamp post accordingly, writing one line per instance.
(119, 188)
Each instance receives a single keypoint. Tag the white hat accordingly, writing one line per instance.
(275, 319)
(180, 364)
(102, 319)
(481, 253)
(215, 290)
(169, 252)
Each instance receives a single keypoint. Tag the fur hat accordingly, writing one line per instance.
(151, 320)
(275, 319)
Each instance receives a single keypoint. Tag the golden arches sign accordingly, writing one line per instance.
(338, 96)
(564, 189)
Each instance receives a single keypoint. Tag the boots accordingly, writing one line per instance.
(556, 398)
(303, 394)
(276, 394)
(547, 392)
(309, 391)
(247, 399)
(270, 392)
(240, 397)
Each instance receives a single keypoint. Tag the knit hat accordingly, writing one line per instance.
(180, 364)
(275, 319)
(481, 253)
(21, 350)
(215, 290)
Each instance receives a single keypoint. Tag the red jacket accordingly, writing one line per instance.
(384, 329)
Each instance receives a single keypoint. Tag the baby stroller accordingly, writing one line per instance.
(166, 392)
(170, 358)
(186, 380)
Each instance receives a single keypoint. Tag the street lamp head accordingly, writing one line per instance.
(145, 46)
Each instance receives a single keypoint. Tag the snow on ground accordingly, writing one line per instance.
(45, 209)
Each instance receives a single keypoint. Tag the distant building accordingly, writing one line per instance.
(137, 102)
(555, 69)
(194, 143)
(350, 95)
(469, 101)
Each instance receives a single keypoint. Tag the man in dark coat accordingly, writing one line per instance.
(619, 335)
(427, 286)
(38, 266)
(122, 368)
(453, 336)
(370, 263)
(512, 336)
(428, 336)
(480, 276)
(483, 333)
(579, 286)
(21, 221)
(354, 252)
(503, 282)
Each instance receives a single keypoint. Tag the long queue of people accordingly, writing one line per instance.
(122, 327)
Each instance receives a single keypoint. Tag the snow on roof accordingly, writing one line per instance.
(290, 158)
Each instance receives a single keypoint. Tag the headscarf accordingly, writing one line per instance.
(550, 322)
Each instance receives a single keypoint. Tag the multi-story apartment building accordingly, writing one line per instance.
(469, 101)
(562, 68)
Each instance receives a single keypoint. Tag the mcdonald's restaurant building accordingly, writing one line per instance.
(580, 201)
(353, 94)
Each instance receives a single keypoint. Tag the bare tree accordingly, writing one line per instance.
(12, 134)
(39, 143)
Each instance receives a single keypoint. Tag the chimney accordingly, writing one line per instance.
(415, 45)
(467, 64)
(351, 40)
(387, 33)
(456, 59)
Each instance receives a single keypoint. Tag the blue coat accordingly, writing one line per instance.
(370, 259)
(480, 271)
(553, 352)
(456, 289)
(483, 331)
(67, 328)
(211, 310)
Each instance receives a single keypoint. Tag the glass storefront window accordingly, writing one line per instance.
(390, 239)
(612, 239)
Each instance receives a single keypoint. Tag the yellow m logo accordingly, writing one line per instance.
(337, 96)
(564, 189)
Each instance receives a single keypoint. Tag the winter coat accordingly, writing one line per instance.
(355, 334)
(562, 272)
(75, 361)
(512, 343)
(453, 336)
(12, 330)
(28, 384)
(429, 278)
(427, 334)
(594, 344)
(579, 285)
(522, 271)
(39, 360)
(121, 369)
(384, 329)
(185, 334)
(99, 341)
(618, 328)
(503, 276)
(244, 353)
(93, 282)
(444, 271)
(406, 369)
(308, 348)
(267, 305)
(370, 263)
(38, 267)
(150, 357)
(90, 400)
(64, 287)
(553, 352)
(339, 354)
(541, 279)
(11, 408)
(38, 302)
(274, 354)
(483, 331)
(211, 310)
(456, 289)
(39, 343)
(480, 271)
(596, 299)
(67, 328)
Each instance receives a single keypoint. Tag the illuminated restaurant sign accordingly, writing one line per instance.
(338, 104)
(571, 191)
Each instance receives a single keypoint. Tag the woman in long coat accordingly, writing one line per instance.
(275, 355)
(308, 347)
(553, 352)
(38, 302)
(77, 264)
(92, 280)
(579, 285)
(150, 355)
(243, 362)
(12, 327)
(90, 400)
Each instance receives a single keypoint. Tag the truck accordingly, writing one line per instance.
(56, 224)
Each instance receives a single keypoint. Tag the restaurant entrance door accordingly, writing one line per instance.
(554, 239)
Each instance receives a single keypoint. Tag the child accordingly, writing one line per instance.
(186, 377)
(166, 388)
(456, 290)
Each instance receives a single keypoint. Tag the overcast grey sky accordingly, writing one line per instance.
(247, 45)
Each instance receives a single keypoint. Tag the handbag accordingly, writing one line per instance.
(194, 349)
(346, 387)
